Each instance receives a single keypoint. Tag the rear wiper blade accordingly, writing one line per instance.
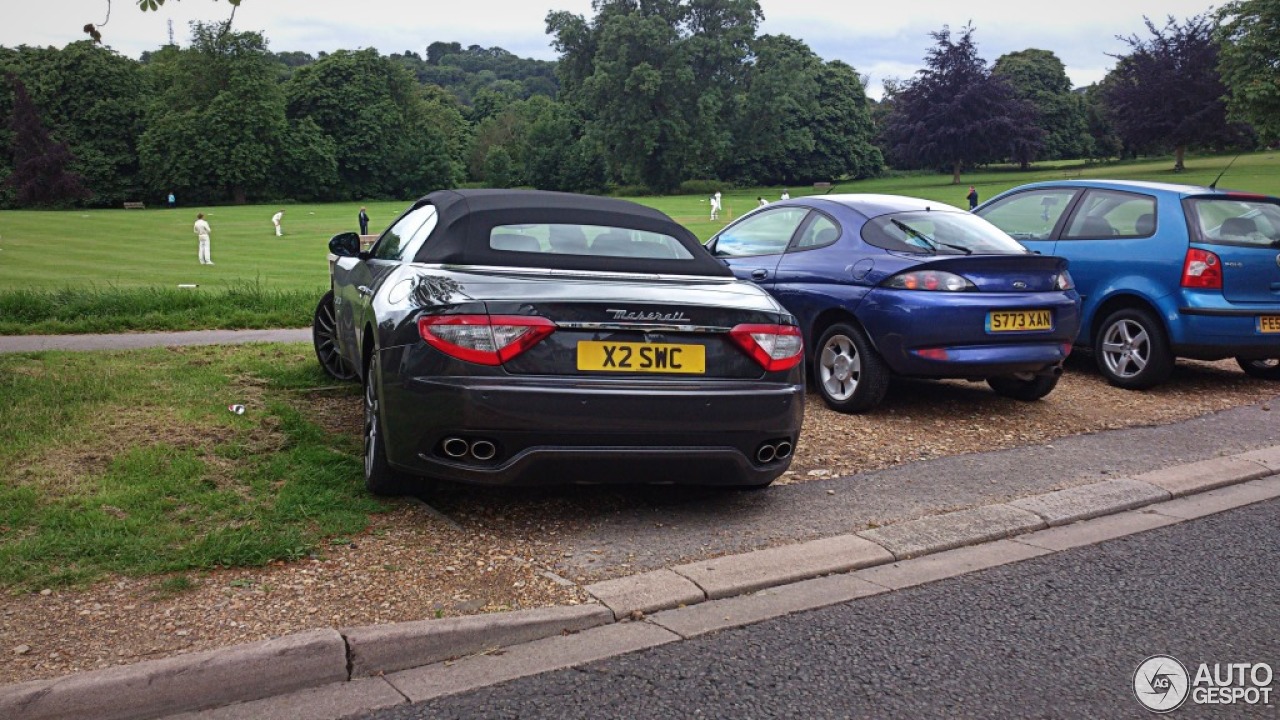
(928, 241)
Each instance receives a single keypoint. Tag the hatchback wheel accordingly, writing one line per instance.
(1263, 369)
(1131, 350)
(850, 376)
(324, 335)
(379, 477)
(1023, 386)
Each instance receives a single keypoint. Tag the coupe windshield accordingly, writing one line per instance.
(939, 233)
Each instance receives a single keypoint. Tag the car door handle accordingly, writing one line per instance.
(364, 290)
(759, 274)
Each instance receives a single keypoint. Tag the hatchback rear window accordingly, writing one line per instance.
(1236, 221)
(587, 240)
(939, 233)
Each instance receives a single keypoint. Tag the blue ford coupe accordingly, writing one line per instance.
(1164, 270)
(886, 285)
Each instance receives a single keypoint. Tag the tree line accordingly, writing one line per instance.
(644, 97)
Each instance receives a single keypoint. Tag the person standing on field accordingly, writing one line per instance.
(364, 222)
(972, 197)
(276, 220)
(202, 231)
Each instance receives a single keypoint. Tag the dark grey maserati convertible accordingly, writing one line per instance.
(520, 337)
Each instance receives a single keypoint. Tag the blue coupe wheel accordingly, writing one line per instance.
(851, 376)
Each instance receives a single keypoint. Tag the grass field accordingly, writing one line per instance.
(131, 463)
(73, 271)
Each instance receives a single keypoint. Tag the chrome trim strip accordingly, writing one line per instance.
(646, 327)
(580, 274)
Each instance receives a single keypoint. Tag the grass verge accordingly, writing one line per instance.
(248, 305)
(130, 463)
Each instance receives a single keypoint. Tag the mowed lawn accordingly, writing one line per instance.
(92, 256)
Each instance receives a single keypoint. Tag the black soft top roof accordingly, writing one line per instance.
(466, 217)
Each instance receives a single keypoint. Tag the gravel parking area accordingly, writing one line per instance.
(475, 550)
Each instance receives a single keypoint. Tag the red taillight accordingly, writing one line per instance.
(775, 347)
(484, 339)
(931, 353)
(1202, 269)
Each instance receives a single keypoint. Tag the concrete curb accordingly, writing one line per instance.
(688, 600)
(378, 649)
(185, 682)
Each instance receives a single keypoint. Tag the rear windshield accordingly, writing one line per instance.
(587, 240)
(1236, 221)
(939, 233)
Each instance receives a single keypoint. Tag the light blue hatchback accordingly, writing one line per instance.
(1163, 270)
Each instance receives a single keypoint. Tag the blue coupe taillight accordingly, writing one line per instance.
(933, 280)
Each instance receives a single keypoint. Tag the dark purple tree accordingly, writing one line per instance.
(1166, 93)
(40, 164)
(955, 113)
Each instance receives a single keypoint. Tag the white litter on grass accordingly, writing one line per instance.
(187, 285)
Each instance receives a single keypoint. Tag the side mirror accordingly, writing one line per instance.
(345, 244)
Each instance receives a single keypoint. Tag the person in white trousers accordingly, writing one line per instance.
(275, 220)
(202, 231)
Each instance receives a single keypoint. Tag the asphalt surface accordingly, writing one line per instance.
(658, 534)
(1054, 637)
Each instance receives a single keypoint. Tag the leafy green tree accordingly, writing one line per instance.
(638, 92)
(772, 133)
(956, 113)
(1248, 40)
(497, 168)
(843, 130)
(1166, 92)
(389, 141)
(558, 156)
(719, 43)
(218, 126)
(41, 174)
(100, 128)
(1039, 77)
(1104, 142)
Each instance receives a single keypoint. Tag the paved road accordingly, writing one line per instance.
(1059, 636)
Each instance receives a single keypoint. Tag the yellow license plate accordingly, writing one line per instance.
(1019, 320)
(642, 357)
(1269, 323)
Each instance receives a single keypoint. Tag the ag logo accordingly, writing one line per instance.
(1161, 683)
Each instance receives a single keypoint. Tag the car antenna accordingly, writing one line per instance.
(1214, 185)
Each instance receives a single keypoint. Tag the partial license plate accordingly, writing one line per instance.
(1019, 320)
(1269, 323)
(642, 357)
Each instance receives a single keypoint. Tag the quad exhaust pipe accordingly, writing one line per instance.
(459, 448)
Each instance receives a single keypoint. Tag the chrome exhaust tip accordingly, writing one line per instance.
(782, 451)
(483, 450)
(766, 453)
(454, 447)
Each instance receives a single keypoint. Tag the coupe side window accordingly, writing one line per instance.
(1031, 215)
(1112, 214)
(763, 233)
(819, 233)
(394, 243)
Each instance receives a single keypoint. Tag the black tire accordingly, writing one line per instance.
(1026, 387)
(848, 373)
(324, 331)
(1131, 350)
(1261, 368)
(379, 477)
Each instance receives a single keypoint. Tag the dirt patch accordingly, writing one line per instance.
(489, 550)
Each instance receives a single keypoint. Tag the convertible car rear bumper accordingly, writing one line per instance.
(524, 431)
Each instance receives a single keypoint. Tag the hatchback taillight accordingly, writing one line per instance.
(1202, 270)
(484, 339)
(774, 347)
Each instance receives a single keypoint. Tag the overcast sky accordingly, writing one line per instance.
(880, 39)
